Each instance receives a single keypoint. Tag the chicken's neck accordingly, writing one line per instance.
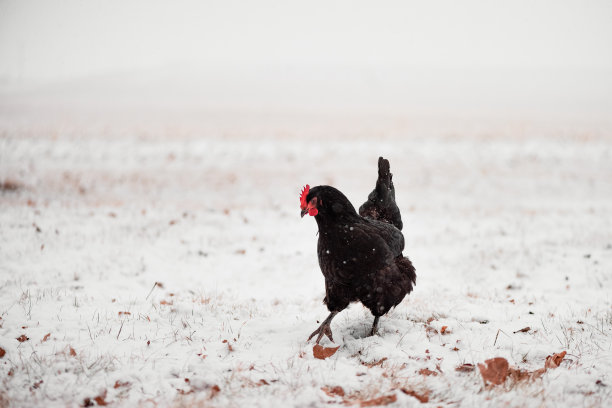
(330, 222)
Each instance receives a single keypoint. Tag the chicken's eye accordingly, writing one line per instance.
(312, 206)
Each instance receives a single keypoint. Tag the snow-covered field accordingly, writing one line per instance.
(166, 264)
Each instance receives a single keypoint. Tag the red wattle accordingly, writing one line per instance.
(313, 212)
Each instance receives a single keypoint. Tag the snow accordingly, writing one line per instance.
(508, 225)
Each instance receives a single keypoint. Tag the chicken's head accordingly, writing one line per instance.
(308, 206)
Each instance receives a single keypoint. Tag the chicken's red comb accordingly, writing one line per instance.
(303, 196)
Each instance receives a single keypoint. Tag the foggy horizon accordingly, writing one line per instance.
(549, 58)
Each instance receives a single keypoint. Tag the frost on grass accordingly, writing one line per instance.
(143, 270)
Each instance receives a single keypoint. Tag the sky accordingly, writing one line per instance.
(338, 53)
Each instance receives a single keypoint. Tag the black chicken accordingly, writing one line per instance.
(360, 255)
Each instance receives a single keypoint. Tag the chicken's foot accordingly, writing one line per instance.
(324, 329)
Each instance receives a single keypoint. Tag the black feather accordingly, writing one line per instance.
(380, 204)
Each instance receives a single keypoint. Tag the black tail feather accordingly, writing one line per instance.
(384, 184)
(406, 267)
(381, 201)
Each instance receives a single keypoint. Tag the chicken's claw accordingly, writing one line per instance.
(324, 329)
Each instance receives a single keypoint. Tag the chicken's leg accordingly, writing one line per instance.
(375, 326)
(324, 329)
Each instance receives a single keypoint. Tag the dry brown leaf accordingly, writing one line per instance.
(336, 391)
(498, 370)
(538, 373)
(183, 392)
(518, 375)
(214, 391)
(165, 302)
(100, 399)
(22, 338)
(72, 352)
(203, 300)
(443, 330)
(465, 368)
(375, 363)
(523, 330)
(494, 370)
(119, 384)
(322, 353)
(2, 352)
(423, 397)
(46, 337)
(262, 382)
(384, 400)
(555, 360)
(124, 313)
(427, 372)
(10, 185)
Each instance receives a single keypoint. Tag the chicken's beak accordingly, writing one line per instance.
(304, 212)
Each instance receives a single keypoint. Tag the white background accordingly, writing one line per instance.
(521, 57)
